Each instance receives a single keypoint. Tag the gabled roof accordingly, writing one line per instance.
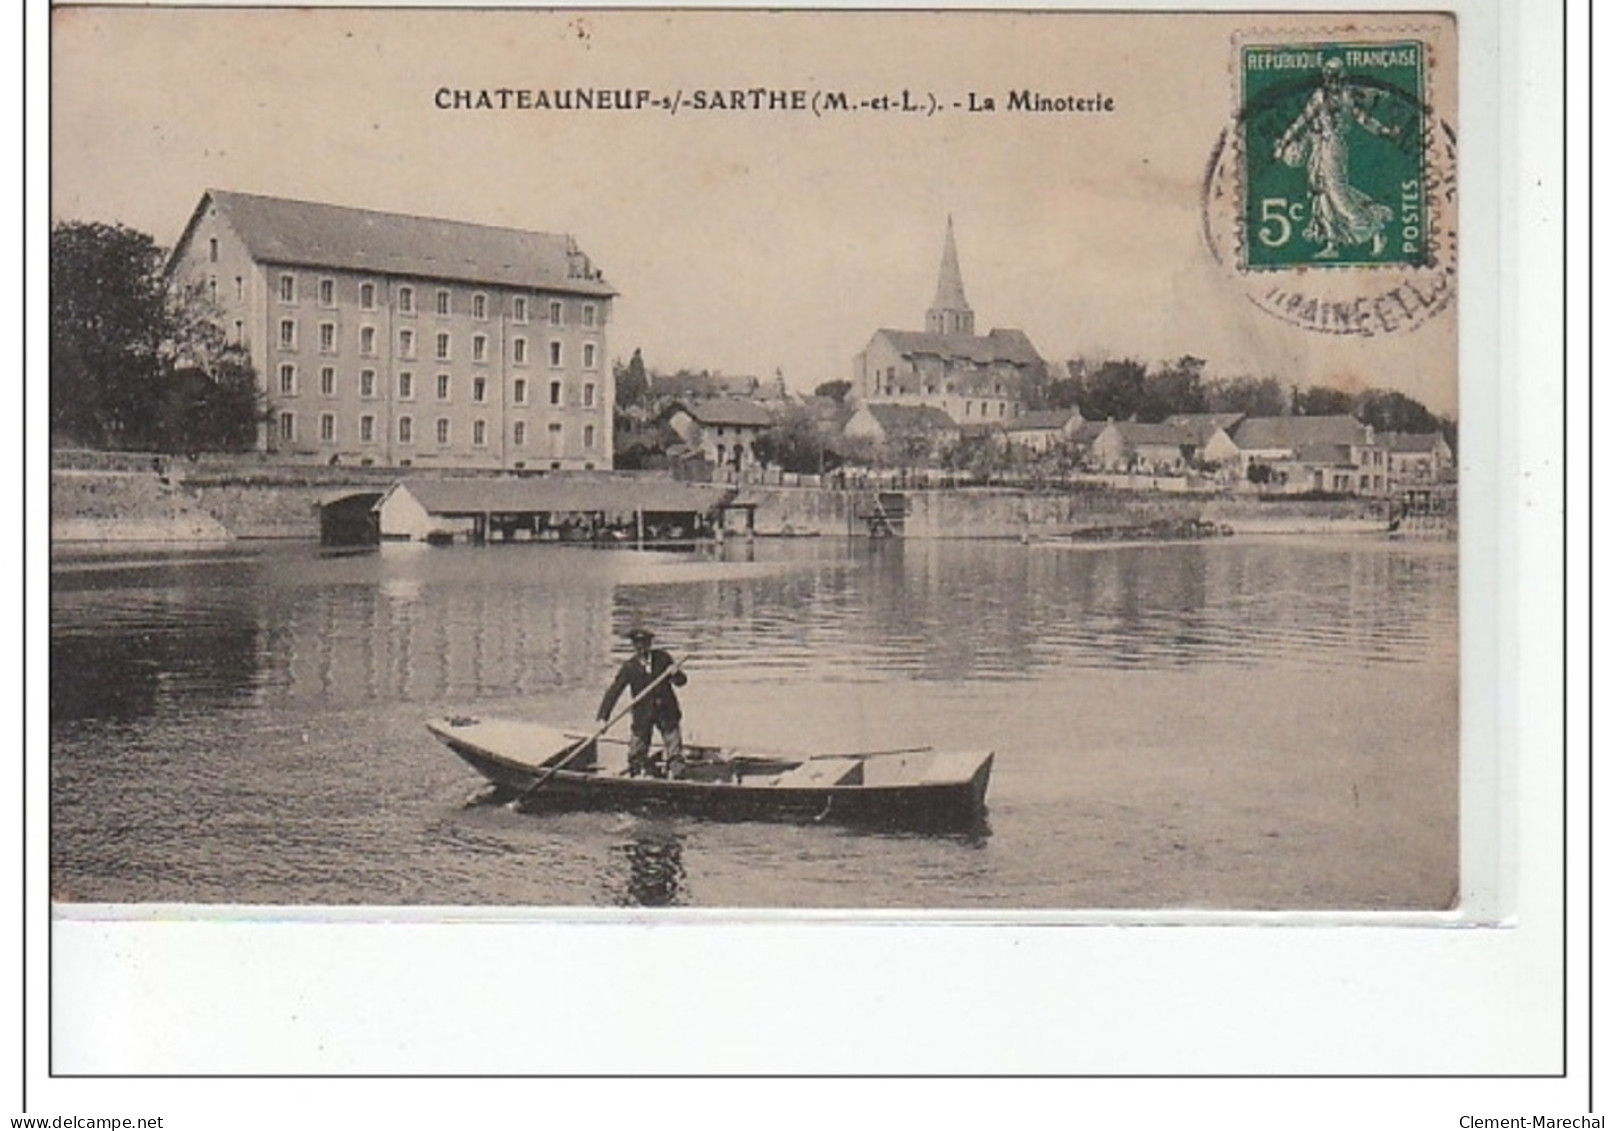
(729, 412)
(1412, 442)
(1262, 432)
(1011, 346)
(1134, 432)
(1047, 420)
(1202, 426)
(1088, 431)
(911, 419)
(559, 493)
(305, 234)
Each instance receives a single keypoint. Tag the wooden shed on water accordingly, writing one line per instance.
(556, 508)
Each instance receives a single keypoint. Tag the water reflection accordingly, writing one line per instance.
(654, 855)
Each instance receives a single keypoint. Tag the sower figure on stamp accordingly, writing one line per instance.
(1341, 214)
(659, 710)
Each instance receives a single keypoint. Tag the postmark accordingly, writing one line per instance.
(1330, 196)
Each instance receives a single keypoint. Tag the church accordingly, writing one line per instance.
(975, 379)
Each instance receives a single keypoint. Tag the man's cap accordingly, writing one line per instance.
(639, 634)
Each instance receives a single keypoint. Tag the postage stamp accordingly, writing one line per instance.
(1333, 154)
(1330, 198)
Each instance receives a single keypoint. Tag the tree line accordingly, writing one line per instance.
(1127, 390)
(134, 365)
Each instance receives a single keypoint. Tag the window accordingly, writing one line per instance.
(406, 343)
(442, 302)
(288, 426)
(288, 288)
(406, 300)
(555, 312)
(406, 429)
(406, 386)
(327, 337)
(519, 308)
(588, 314)
(367, 296)
(288, 334)
(327, 427)
(555, 392)
(442, 347)
(519, 393)
(288, 380)
(479, 348)
(588, 394)
(557, 439)
(479, 307)
(555, 355)
(479, 433)
(442, 386)
(367, 429)
(241, 288)
(213, 249)
(479, 390)
(588, 435)
(518, 351)
(367, 383)
(240, 333)
(367, 341)
(327, 292)
(443, 431)
(518, 434)
(588, 355)
(213, 291)
(327, 381)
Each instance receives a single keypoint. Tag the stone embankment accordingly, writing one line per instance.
(119, 498)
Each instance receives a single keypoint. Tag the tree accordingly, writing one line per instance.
(1172, 389)
(133, 363)
(108, 322)
(795, 443)
(1247, 395)
(1390, 411)
(633, 386)
(1320, 400)
(835, 390)
(1115, 391)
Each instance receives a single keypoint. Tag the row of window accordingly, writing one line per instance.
(370, 431)
(520, 307)
(444, 345)
(290, 385)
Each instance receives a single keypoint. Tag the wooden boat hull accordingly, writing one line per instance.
(918, 790)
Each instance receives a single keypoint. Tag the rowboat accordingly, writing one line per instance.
(549, 767)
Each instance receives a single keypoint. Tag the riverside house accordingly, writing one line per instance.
(395, 340)
(1300, 454)
(724, 430)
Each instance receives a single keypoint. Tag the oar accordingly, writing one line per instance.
(584, 744)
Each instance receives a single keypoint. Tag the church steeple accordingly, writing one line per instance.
(950, 313)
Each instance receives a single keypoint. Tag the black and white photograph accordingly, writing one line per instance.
(666, 466)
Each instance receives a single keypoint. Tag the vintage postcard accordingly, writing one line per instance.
(609, 466)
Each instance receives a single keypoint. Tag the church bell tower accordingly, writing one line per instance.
(950, 313)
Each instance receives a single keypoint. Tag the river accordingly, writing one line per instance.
(1239, 723)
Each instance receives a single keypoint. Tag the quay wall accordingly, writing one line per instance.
(137, 499)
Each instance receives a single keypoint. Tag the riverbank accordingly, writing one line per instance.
(108, 497)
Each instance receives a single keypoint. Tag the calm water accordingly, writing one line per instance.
(1230, 724)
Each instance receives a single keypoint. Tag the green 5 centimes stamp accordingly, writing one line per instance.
(1334, 154)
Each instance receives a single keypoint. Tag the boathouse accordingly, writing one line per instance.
(570, 508)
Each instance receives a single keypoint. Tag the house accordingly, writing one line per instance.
(724, 430)
(1130, 445)
(975, 379)
(1044, 430)
(382, 338)
(913, 431)
(1331, 454)
(1417, 457)
(1208, 435)
(545, 508)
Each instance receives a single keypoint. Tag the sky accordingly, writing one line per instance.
(745, 241)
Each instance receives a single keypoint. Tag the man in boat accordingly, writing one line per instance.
(658, 710)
